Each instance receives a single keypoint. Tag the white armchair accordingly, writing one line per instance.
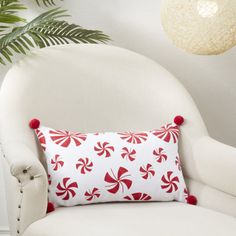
(104, 88)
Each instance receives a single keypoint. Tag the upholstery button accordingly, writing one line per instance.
(31, 177)
(19, 206)
(18, 219)
(21, 191)
(18, 231)
(24, 171)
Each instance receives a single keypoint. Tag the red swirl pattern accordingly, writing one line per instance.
(186, 194)
(91, 195)
(178, 164)
(128, 154)
(56, 162)
(65, 138)
(160, 155)
(66, 190)
(49, 180)
(85, 165)
(169, 184)
(118, 181)
(147, 171)
(169, 132)
(138, 197)
(104, 149)
(41, 139)
(135, 138)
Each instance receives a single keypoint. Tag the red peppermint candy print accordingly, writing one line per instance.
(167, 133)
(65, 138)
(66, 189)
(160, 155)
(128, 154)
(121, 180)
(57, 163)
(177, 162)
(138, 197)
(170, 184)
(135, 138)
(41, 138)
(186, 194)
(85, 165)
(104, 149)
(91, 195)
(147, 171)
(49, 180)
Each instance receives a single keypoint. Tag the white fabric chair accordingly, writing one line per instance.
(103, 88)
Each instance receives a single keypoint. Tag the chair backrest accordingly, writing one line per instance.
(92, 88)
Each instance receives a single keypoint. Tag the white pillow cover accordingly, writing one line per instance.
(108, 167)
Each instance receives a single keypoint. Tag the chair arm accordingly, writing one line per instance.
(216, 164)
(212, 198)
(23, 162)
(26, 186)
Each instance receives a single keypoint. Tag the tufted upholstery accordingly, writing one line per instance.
(103, 88)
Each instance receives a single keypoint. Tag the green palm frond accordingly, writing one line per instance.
(61, 32)
(46, 3)
(46, 30)
(8, 12)
(10, 6)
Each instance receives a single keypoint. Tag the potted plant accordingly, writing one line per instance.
(49, 28)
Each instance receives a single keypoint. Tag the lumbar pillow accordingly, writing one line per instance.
(113, 166)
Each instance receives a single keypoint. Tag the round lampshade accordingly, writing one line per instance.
(200, 26)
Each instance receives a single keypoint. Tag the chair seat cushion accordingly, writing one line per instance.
(134, 219)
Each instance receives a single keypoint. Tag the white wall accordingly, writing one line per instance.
(135, 25)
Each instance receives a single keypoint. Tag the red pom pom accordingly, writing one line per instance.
(34, 124)
(192, 200)
(50, 207)
(179, 120)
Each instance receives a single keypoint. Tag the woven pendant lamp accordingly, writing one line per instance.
(205, 27)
